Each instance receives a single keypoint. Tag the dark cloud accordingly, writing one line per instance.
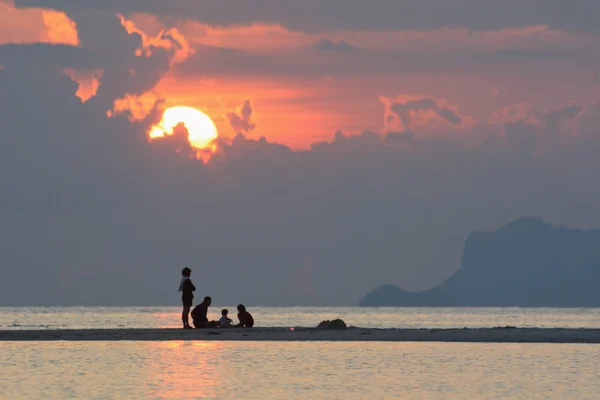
(107, 46)
(335, 15)
(587, 122)
(126, 71)
(241, 120)
(93, 213)
(176, 143)
(410, 112)
(525, 129)
(406, 110)
(339, 46)
(50, 54)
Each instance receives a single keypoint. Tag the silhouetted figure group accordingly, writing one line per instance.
(200, 312)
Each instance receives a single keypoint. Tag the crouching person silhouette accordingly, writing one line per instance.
(245, 318)
(199, 315)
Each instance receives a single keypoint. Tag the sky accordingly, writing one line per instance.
(359, 143)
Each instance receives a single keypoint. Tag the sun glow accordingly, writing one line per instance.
(202, 130)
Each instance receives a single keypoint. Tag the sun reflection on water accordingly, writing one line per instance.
(260, 370)
(185, 369)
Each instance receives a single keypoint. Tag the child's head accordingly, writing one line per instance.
(186, 272)
(241, 308)
(224, 311)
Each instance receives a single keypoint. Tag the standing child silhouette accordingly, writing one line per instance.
(187, 288)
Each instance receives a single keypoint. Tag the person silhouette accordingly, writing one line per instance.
(187, 289)
(199, 315)
(245, 317)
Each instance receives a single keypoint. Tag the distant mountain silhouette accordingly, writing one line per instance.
(526, 263)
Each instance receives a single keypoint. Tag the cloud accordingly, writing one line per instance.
(113, 61)
(64, 56)
(92, 203)
(336, 15)
(136, 107)
(178, 143)
(263, 51)
(587, 120)
(99, 214)
(170, 40)
(61, 29)
(342, 143)
(133, 63)
(328, 45)
(416, 113)
(240, 120)
(240, 149)
(88, 81)
(522, 126)
(35, 25)
(258, 36)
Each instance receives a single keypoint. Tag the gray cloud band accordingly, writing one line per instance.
(334, 15)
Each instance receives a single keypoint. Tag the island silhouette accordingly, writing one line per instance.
(527, 263)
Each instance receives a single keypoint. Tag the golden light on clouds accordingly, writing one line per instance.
(88, 81)
(138, 107)
(201, 129)
(169, 40)
(35, 25)
(61, 29)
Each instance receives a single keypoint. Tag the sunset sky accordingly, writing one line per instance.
(350, 134)
(311, 68)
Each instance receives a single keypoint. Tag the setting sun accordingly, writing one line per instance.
(200, 127)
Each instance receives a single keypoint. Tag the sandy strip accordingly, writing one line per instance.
(490, 335)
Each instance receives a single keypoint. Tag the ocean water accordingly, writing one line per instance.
(298, 370)
(170, 317)
(269, 370)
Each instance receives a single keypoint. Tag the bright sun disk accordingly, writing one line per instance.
(202, 130)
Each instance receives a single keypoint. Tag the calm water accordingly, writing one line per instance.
(262, 370)
(156, 317)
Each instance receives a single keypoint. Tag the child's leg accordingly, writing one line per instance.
(185, 315)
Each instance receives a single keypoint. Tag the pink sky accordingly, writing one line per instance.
(305, 85)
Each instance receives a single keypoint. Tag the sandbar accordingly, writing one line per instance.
(352, 334)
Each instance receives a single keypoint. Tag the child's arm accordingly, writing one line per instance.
(189, 285)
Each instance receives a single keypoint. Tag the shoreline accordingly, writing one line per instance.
(352, 334)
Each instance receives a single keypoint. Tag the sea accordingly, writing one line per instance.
(298, 370)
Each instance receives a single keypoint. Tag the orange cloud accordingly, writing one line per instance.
(260, 37)
(88, 81)
(166, 39)
(35, 25)
(139, 107)
(60, 28)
